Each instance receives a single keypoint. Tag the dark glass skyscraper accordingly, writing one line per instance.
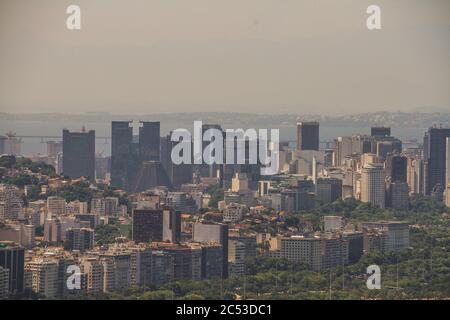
(308, 136)
(79, 154)
(149, 141)
(396, 168)
(121, 153)
(132, 162)
(380, 131)
(178, 174)
(435, 147)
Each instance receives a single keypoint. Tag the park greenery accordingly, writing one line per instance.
(420, 272)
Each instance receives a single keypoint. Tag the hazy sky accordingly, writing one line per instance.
(266, 56)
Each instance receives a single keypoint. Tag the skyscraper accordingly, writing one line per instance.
(122, 159)
(149, 141)
(372, 184)
(380, 131)
(308, 136)
(136, 166)
(178, 174)
(435, 156)
(396, 168)
(79, 154)
(328, 189)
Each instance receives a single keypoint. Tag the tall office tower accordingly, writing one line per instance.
(380, 132)
(4, 283)
(56, 205)
(398, 195)
(178, 174)
(149, 141)
(308, 136)
(12, 257)
(415, 175)
(210, 170)
(79, 154)
(236, 256)
(156, 225)
(80, 239)
(44, 274)
(328, 189)
(343, 148)
(123, 158)
(396, 168)
(10, 202)
(53, 148)
(213, 233)
(372, 185)
(136, 166)
(435, 156)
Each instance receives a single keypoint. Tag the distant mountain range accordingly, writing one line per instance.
(245, 120)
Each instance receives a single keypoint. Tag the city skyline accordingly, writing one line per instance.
(251, 151)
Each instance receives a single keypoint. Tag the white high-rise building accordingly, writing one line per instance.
(373, 187)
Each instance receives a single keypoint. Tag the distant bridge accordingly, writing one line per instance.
(49, 138)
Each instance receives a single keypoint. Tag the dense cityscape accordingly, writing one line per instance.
(77, 224)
